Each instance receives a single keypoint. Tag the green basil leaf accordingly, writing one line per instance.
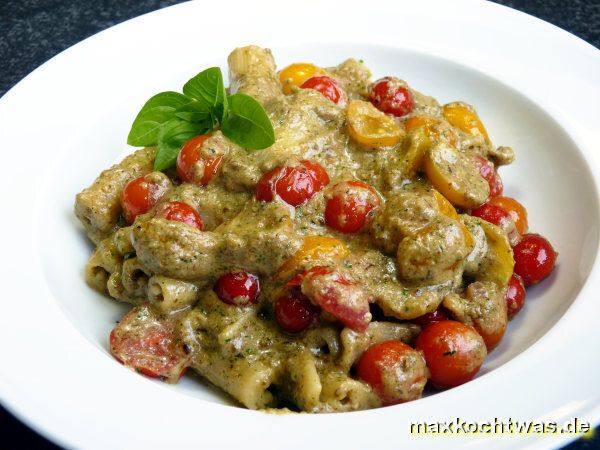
(247, 123)
(152, 117)
(173, 135)
(195, 112)
(208, 87)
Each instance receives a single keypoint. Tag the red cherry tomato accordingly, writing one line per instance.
(193, 166)
(490, 174)
(294, 185)
(427, 319)
(326, 86)
(139, 196)
(517, 212)
(534, 258)
(350, 205)
(337, 295)
(394, 370)
(454, 352)
(294, 312)
(238, 288)
(180, 212)
(148, 344)
(515, 296)
(491, 213)
(392, 96)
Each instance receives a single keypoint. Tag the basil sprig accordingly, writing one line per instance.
(169, 119)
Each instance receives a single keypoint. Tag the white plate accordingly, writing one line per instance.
(537, 89)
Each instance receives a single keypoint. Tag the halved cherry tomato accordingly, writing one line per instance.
(294, 185)
(394, 370)
(490, 174)
(515, 296)
(193, 166)
(350, 205)
(370, 127)
(295, 74)
(427, 319)
(337, 295)
(314, 250)
(534, 258)
(463, 117)
(180, 212)
(149, 345)
(139, 196)
(431, 128)
(392, 96)
(517, 212)
(294, 312)
(238, 288)
(326, 86)
(454, 352)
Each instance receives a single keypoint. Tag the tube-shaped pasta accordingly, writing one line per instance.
(354, 344)
(104, 261)
(252, 71)
(305, 384)
(342, 393)
(98, 206)
(134, 278)
(169, 294)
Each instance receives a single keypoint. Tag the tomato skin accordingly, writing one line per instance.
(396, 362)
(139, 196)
(391, 96)
(294, 312)
(490, 174)
(515, 296)
(534, 258)
(180, 212)
(188, 160)
(147, 344)
(427, 319)
(327, 86)
(294, 185)
(454, 352)
(350, 205)
(491, 213)
(238, 288)
(517, 212)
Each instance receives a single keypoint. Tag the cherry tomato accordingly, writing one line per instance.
(139, 196)
(394, 370)
(517, 212)
(337, 295)
(515, 296)
(180, 212)
(193, 166)
(295, 74)
(294, 312)
(427, 319)
(534, 258)
(370, 127)
(392, 96)
(491, 213)
(149, 345)
(454, 352)
(490, 174)
(350, 205)
(294, 185)
(326, 86)
(238, 288)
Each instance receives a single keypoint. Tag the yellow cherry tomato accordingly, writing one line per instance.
(370, 127)
(455, 176)
(414, 146)
(433, 128)
(296, 74)
(315, 250)
(465, 119)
